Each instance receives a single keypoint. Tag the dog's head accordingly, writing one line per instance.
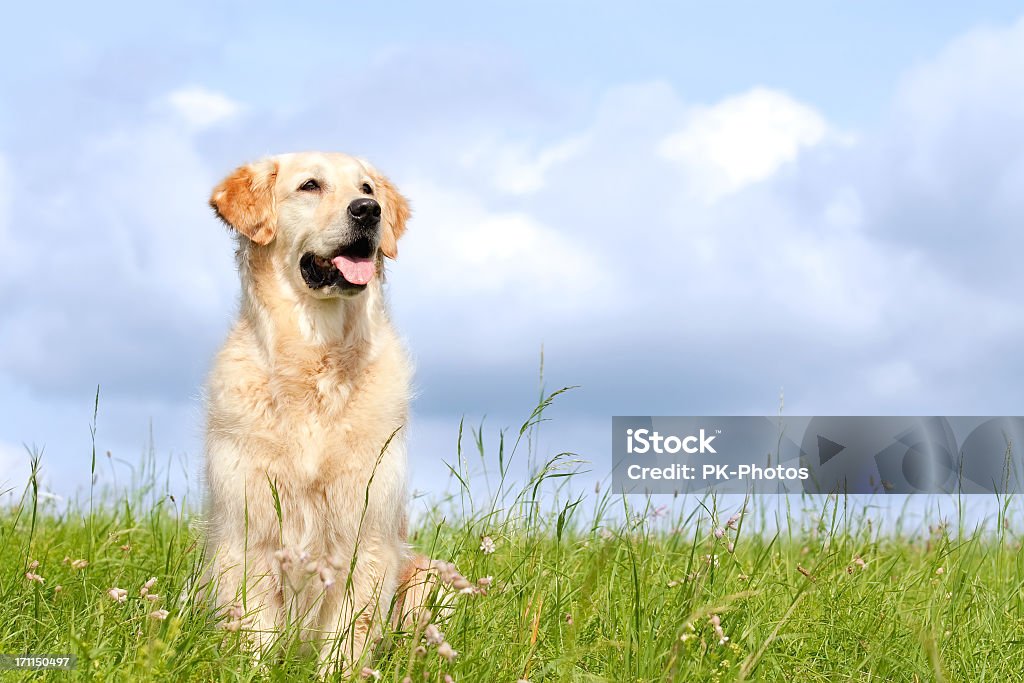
(328, 218)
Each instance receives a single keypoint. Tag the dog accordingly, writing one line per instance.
(307, 400)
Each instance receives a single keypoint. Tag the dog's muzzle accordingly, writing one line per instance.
(352, 266)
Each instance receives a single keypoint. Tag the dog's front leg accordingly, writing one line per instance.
(355, 608)
(347, 624)
(248, 594)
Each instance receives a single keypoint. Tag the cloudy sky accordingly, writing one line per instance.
(692, 207)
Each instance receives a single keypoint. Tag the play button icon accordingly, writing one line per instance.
(827, 449)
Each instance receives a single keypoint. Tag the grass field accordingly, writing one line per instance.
(587, 588)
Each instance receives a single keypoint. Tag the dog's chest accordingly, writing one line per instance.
(327, 416)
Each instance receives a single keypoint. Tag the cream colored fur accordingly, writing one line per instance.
(303, 397)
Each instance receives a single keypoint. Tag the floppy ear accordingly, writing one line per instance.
(245, 200)
(394, 212)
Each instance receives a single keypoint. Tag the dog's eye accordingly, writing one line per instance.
(366, 188)
(310, 185)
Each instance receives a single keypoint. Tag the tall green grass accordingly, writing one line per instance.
(587, 586)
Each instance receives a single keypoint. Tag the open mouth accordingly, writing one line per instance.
(350, 267)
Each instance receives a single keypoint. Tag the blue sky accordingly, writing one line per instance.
(693, 207)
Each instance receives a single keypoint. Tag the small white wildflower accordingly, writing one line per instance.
(152, 597)
(118, 594)
(32, 576)
(485, 581)
(446, 570)
(327, 577)
(445, 650)
(487, 545)
(940, 571)
(57, 589)
(159, 615)
(367, 672)
(719, 532)
(34, 564)
(732, 521)
(144, 591)
(433, 635)
(716, 624)
(79, 564)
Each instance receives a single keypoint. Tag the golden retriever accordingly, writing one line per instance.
(306, 407)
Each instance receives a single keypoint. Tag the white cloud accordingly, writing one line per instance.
(6, 231)
(742, 139)
(140, 263)
(515, 168)
(14, 468)
(464, 253)
(202, 108)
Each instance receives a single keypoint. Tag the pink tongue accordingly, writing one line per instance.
(356, 270)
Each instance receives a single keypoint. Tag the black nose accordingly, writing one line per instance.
(365, 211)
